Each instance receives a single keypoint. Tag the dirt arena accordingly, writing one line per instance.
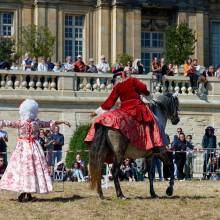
(191, 200)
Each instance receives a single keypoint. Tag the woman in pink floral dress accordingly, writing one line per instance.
(27, 171)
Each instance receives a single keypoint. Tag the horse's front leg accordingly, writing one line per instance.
(167, 159)
(115, 174)
(151, 176)
(99, 189)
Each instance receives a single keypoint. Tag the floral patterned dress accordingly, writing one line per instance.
(27, 170)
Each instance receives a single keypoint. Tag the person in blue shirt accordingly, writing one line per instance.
(58, 142)
(50, 64)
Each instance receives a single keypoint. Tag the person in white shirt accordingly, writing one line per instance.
(27, 62)
(42, 66)
(14, 66)
(68, 66)
(197, 67)
(103, 66)
(57, 68)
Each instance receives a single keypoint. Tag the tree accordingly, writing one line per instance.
(180, 43)
(124, 58)
(37, 40)
(7, 49)
(77, 145)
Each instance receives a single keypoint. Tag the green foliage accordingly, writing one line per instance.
(124, 58)
(77, 145)
(180, 43)
(37, 40)
(7, 49)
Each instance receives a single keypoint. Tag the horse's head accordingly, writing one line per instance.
(169, 104)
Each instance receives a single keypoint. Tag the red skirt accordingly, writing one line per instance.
(143, 135)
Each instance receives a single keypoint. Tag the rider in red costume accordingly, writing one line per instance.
(131, 108)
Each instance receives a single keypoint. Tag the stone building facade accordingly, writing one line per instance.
(111, 27)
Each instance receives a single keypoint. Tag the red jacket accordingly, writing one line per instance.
(79, 66)
(129, 92)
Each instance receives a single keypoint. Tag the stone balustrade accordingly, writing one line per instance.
(92, 82)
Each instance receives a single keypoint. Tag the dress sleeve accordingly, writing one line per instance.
(140, 87)
(47, 124)
(111, 100)
(9, 124)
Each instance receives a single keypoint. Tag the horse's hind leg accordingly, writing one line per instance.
(151, 176)
(115, 174)
(99, 190)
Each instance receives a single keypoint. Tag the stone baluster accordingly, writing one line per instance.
(102, 87)
(3, 83)
(46, 84)
(177, 88)
(32, 83)
(38, 83)
(53, 84)
(82, 83)
(157, 89)
(17, 82)
(88, 86)
(23, 81)
(9, 82)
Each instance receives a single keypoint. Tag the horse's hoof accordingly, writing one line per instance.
(154, 195)
(122, 197)
(169, 191)
(101, 197)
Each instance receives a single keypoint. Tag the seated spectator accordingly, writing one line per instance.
(212, 169)
(211, 71)
(217, 72)
(129, 68)
(14, 66)
(103, 66)
(138, 67)
(34, 64)
(117, 68)
(57, 67)
(91, 68)
(68, 66)
(42, 65)
(50, 64)
(2, 166)
(76, 173)
(79, 65)
(170, 70)
(197, 67)
(60, 168)
(156, 69)
(27, 62)
(126, 171)
(81, 163)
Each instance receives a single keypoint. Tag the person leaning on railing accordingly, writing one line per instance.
(209, 144)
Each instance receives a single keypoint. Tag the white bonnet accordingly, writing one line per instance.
(28, 109)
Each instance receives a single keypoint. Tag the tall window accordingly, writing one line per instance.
(6, 24)
(215, 43)
(73, 34)
(152, 45)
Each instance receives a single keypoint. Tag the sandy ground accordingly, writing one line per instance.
(191, 200)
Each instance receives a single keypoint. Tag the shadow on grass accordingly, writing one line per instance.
(176, 197)
(59, 199)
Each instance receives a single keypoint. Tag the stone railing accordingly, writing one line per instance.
(92, 82)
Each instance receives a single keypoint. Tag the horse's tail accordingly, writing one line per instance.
(97, 155)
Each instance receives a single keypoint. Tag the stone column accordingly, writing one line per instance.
(199, 51)
(181, 17)
(118, 27)
(133, 33)
(104, 32)
(40, 13)
(52, 25)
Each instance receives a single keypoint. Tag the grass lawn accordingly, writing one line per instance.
(191, 200)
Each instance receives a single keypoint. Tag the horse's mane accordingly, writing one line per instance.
(167, 102)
